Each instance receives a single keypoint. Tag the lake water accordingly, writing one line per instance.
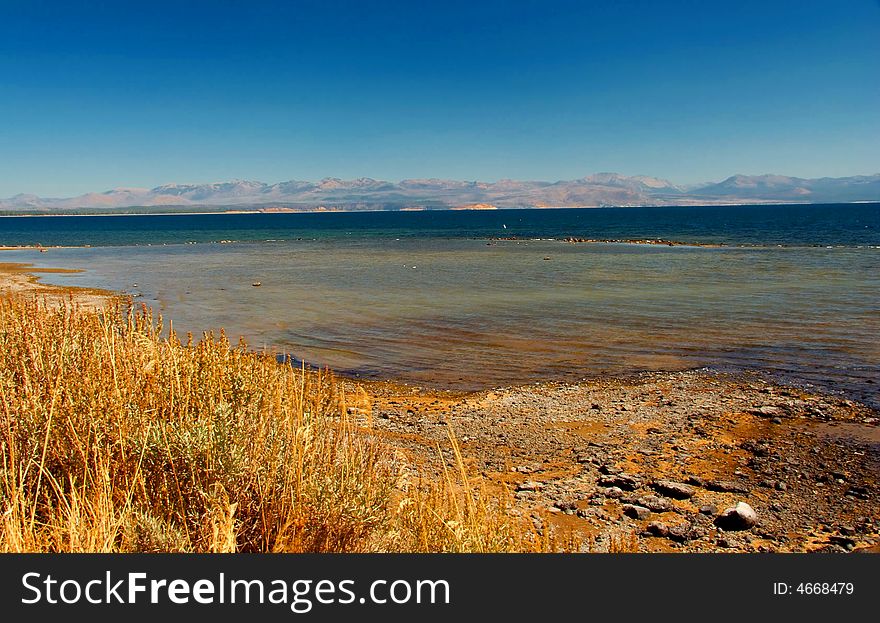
(437, 298)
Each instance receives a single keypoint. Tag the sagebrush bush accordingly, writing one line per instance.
(116, 435)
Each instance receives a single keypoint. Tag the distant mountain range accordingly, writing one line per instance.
(600, 189)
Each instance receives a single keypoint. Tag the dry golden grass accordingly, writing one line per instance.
(117, 436)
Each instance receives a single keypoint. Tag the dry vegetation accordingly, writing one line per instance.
(118, 436)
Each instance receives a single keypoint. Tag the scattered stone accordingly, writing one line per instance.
(739, 517)
(858, 491)
(553, 432)
(677, 490)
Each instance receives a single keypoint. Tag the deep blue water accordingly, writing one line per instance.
(800, 225)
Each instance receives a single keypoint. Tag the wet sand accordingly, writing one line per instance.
(23, 279)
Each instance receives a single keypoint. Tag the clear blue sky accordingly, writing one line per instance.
(95, 95)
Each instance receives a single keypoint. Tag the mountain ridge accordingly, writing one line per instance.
(595, 190)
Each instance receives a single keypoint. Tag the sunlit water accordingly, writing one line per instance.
(402, 299)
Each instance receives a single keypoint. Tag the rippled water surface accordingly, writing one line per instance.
(432, 299)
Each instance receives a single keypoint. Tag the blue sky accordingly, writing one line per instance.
(95, 95)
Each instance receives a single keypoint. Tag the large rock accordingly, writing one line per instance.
(680, 533)
(726, 486)
(655, 504)
(636, 512)
(765, 411)
(658, 528)
(613, 492)
(739, 517)
(677, 490)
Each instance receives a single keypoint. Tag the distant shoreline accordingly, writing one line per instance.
(443, 209)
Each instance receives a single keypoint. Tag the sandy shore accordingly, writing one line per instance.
(651, 460)
(18, 278)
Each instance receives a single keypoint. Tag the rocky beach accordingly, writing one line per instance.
(690, 461)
